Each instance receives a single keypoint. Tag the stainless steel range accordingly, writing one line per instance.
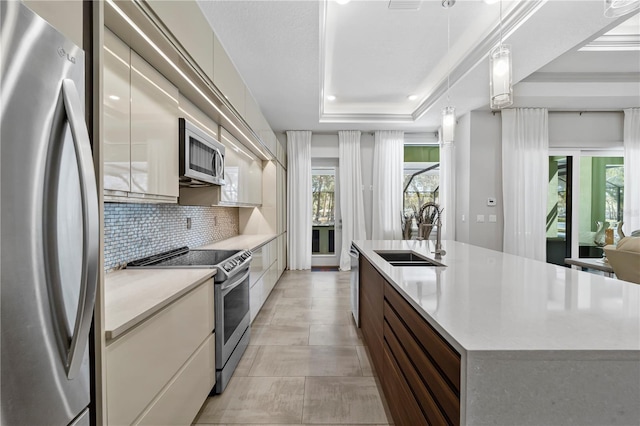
(231, 299)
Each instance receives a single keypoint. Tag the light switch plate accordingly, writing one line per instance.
(480, 218)
(493, 218)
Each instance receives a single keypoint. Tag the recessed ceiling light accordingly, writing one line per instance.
(490, 1)
(114, 97)
(331, 97)
(342, 2)
(412, 97)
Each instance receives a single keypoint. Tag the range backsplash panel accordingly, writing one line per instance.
(132, 231)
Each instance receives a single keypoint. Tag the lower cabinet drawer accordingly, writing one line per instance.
(179, 402)
(403, 406)
(444, 356)
(256, 299)
(142, 361)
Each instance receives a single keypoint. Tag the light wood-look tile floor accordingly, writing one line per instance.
(306, 363)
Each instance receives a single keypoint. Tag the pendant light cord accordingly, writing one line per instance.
(448, 56)
(500, 24)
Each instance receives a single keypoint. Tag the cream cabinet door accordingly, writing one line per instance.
(190, 112)
(242, 173)
(116, 96)
(154, 131)
(227, 79)
(143, 361)
(281, 199)
(282, 252)
(231, 175)
(252, 114)
(188, 24)
(254, 193)
(233, 157)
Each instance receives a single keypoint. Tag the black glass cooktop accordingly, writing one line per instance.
(184, 257)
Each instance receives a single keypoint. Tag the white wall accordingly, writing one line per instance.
(587, 130)
(324, 146)
(478, 177)
(463, 176)
(486, 180)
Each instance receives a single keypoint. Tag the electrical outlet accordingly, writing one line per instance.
(188, 223)
(491, 201)
(480, 218)
(493, 218)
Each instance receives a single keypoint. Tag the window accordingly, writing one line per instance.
(421, 181)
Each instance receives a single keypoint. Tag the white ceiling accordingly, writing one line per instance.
(292, 54)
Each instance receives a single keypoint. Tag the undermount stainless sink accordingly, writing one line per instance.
(406, 258)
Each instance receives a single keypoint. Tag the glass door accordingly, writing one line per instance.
(601, 202)
(585, 202)
(559, 212)
(326, 237)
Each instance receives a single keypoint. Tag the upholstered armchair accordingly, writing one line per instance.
(624, 258)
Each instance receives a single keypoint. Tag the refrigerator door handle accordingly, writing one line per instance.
(90, 223)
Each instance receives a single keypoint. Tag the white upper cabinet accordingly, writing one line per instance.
(243, 174)
(281, 199)
(193, 114)
(117, 120)
(154, 131)
(252, 114)
(189, 26)
(140, 113)
(227, 79)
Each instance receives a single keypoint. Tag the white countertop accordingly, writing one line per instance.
(240, 242)
(133, 295)
(485, 300)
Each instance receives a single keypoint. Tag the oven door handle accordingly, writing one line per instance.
(226, 288)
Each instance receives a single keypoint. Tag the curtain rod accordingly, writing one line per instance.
(617, 111)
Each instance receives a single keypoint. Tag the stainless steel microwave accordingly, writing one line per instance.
(201, 157)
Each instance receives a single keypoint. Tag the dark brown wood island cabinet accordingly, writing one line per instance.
(418, 370)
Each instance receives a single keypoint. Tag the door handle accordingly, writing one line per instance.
(90, 223)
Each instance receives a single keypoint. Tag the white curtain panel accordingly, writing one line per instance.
(525, 177)
(631, 213)
(351, 199)
(299, 199)
(388, 160)
(448, 190)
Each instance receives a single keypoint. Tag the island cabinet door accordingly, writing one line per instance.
(424, 364)
(371, 311)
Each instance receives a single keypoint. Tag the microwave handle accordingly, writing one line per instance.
(214, 162)
(220, 165)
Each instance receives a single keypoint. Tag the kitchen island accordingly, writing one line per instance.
(503, 339)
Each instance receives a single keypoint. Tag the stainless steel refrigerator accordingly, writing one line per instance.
(49, 222)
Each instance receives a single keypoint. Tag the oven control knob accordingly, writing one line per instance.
(228, 266)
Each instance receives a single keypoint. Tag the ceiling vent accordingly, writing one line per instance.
(405, 4)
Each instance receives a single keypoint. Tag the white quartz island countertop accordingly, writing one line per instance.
(539, 343)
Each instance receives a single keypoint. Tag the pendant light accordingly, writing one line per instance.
(500, 89)
(448, 112)
(615, 8)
